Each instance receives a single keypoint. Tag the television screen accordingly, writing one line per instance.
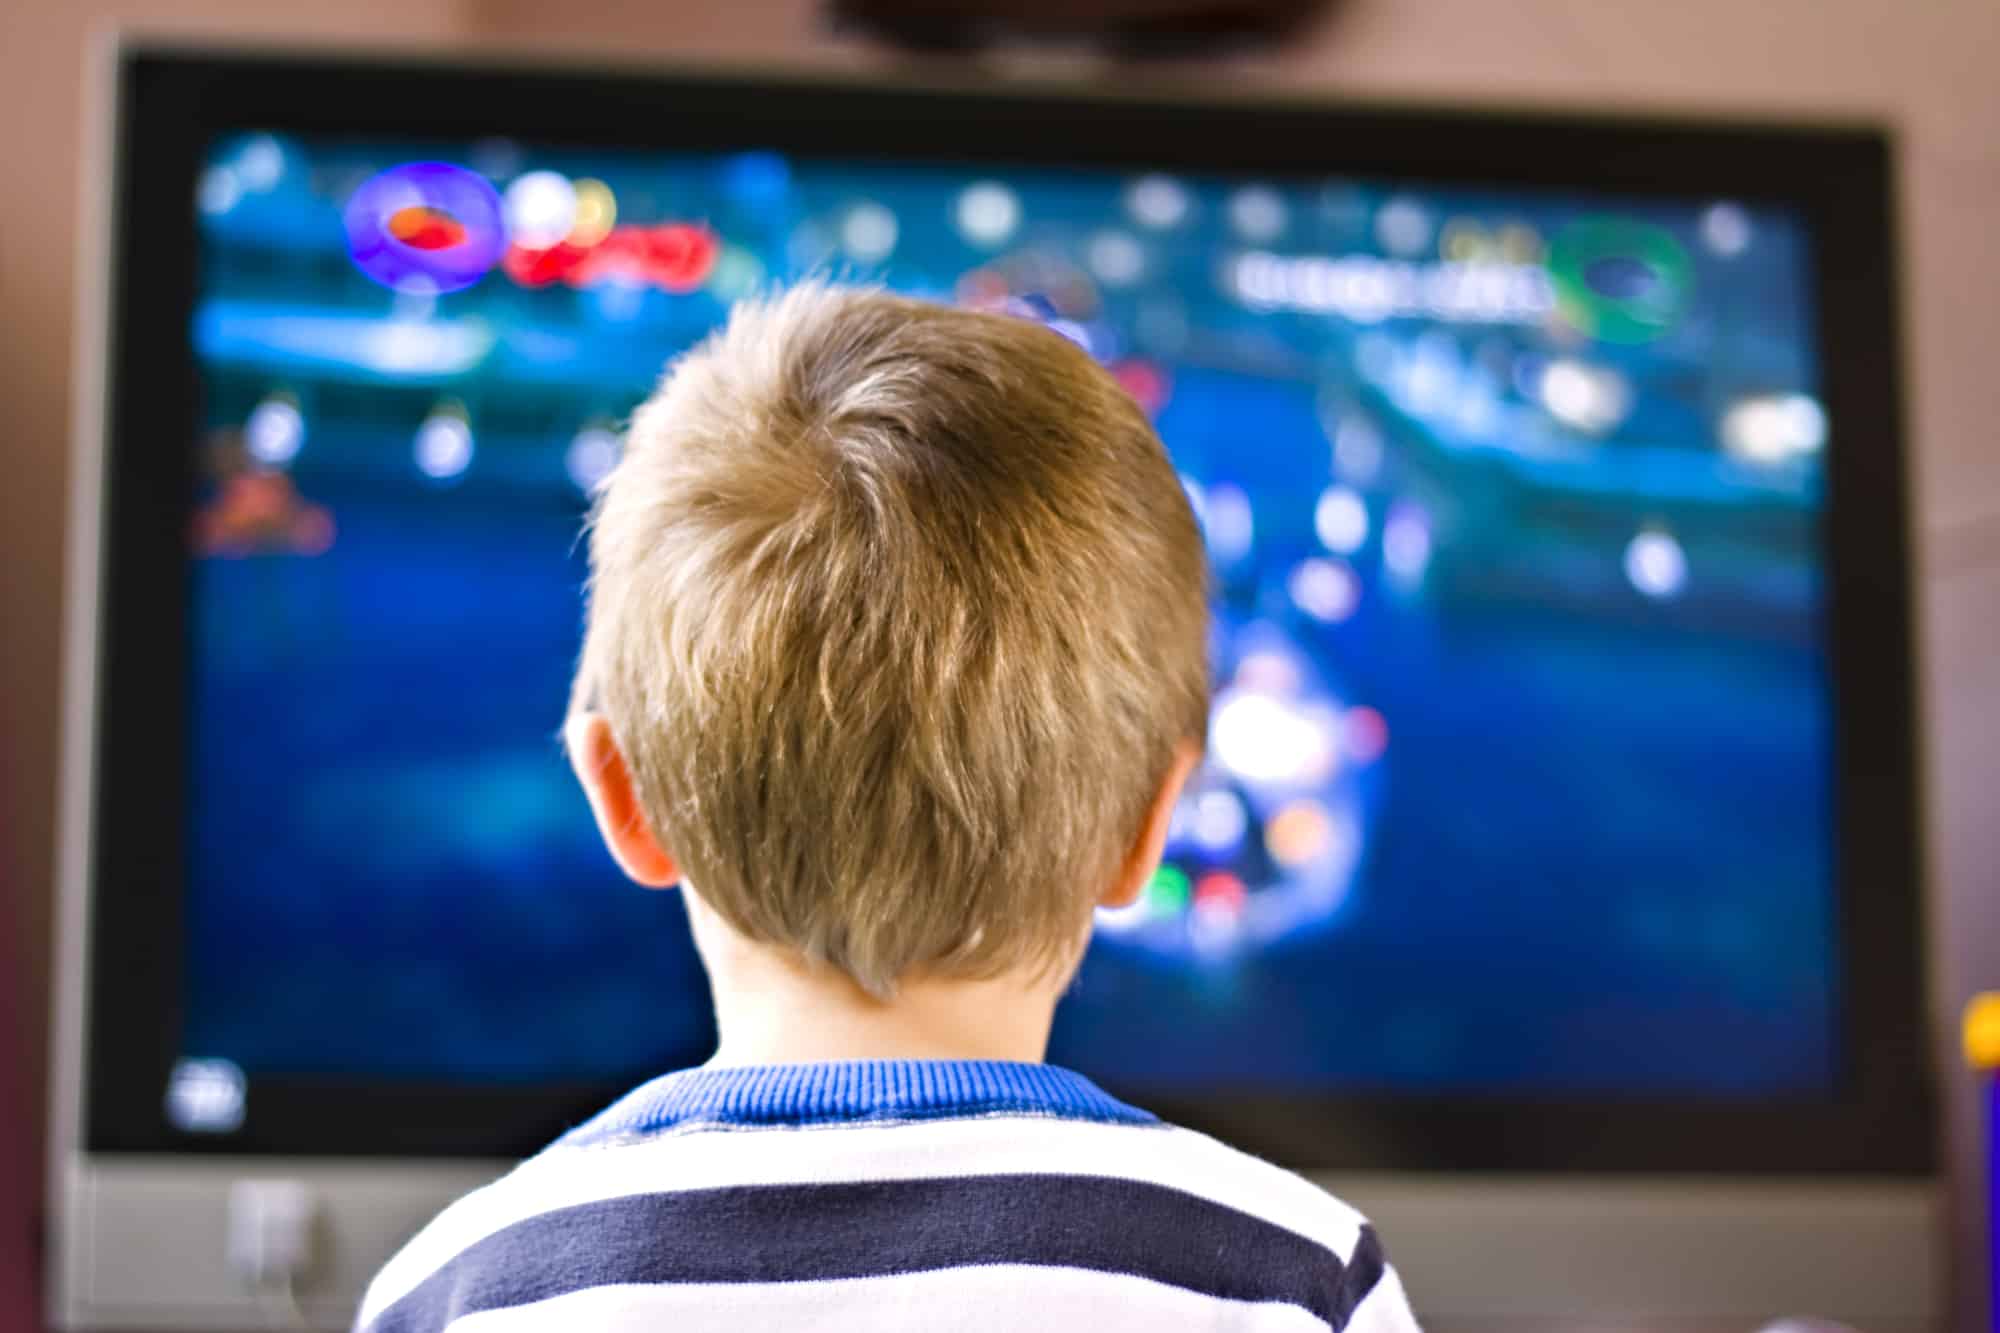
(1520, 775)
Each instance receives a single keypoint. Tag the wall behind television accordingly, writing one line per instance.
(1927, 65)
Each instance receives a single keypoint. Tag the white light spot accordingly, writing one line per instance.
(1257, 212)
(206, 1096)
(540, 209)
(1116, 257)
(1592, 399)
(1341, 520)
(591, 457)
(444, 446)
(219, 190)
(1326, 590)
(1119, 920)
(1230, 525)
(869, 233)
(1403, 228)
(389, 347)
(1725, 229)
(1158, 202)
(412, 347)
(1261, 739)
(1071, 330)
(988, 214)
(1805, 422)
(261, 163)
(1774, 428)
(275, 431)
(1655, 564)
(1357, 448)
(1406, 543)
(1219, 821)
(1197, 500)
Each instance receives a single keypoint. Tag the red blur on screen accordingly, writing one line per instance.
(675, 257)
(423, 228)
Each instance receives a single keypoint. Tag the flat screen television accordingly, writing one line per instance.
(1558, 820)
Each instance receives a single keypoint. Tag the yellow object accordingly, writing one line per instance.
(1982, 1031)
(596, 210)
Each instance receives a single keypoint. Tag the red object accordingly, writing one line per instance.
(542, 268)
(424, 228)
(624, 255)
(1146, 382)
(260, 513)
(1221, 888)
(679, 255)
(1365, 733)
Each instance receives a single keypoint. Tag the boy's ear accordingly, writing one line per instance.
(1144, 858)
(607, 780)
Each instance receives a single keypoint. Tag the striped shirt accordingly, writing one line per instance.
(884, 1195)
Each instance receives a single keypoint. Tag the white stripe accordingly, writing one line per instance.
(992, 1298)
(1177, 1158)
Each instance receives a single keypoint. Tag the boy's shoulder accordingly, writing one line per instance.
(700, 1197)
(1277, 1193)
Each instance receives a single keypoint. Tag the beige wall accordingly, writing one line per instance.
(41, 63)
(1930, 66)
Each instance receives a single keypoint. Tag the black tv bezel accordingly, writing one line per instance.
(1839, 179)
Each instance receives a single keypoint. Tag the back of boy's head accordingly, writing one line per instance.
(898, 614)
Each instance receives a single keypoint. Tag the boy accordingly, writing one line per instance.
(896, 662)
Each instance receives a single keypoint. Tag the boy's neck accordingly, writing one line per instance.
(771, 1010)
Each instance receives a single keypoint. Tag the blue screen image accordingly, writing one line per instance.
(1519, 773)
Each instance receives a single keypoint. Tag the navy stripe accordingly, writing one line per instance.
(795, 1233)
(1365, 1268)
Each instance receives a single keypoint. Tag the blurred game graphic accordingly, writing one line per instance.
(1518, 770)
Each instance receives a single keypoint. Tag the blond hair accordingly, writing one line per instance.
(897, 613)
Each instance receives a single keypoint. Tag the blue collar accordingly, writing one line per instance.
(856, 1091)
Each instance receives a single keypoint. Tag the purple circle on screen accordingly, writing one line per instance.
(451, 224)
